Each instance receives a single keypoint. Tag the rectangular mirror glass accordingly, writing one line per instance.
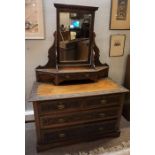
(74, 37)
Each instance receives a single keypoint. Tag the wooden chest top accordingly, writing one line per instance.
(43, 91)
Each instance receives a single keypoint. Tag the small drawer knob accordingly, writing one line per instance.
(61, 120)
(61, 135)
(87, 75)
(67, 76)
(100, 128)
(61, 106)
(103, 101)
(102, 114)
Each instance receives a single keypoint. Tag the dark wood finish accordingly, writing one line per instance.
(72, 113)
(52, 75)
(61, 120)
(43, 147)
(127, 73)
(97, 54)
(126, 107)
(92, 70)
(51, 55)
(72, 105)
(76, 113)
(51, 136)
(75, 7)
(50, 72)
(37, 124)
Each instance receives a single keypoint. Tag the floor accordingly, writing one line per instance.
(30, 142)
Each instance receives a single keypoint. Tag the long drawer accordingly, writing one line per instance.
(77, 104)
(50, 121)
(84, 131)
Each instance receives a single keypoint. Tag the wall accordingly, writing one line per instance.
(37, 50)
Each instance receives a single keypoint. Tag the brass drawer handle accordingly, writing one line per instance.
(61, 106)
(102, 114)
(61, 120)
(67, 76)
(62, 135)
(103, 101)
(86, 75)
(100, 128)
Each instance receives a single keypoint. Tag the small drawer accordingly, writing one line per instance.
(76, 76)
(83, 131)
(44, 77)
(46, 107)
(77, 118)
(103, 101)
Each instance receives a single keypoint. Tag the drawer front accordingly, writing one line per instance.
(47, 107)
(49, 136)
(44, 77)
(103, 101)
(68, 105)
(77, 76)
(77, 118)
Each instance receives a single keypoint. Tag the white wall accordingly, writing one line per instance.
(37, 50)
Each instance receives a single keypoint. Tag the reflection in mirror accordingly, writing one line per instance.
(74, 30)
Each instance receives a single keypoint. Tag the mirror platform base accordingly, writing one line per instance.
(58, 76)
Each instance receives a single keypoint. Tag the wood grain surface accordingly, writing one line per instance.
(50, 89)
(45, 91)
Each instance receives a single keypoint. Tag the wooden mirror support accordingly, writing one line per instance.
(58, 72)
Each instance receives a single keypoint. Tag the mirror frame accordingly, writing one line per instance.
(76, 9)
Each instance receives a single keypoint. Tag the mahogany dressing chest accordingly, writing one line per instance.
(72, 112)
(69, 114)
